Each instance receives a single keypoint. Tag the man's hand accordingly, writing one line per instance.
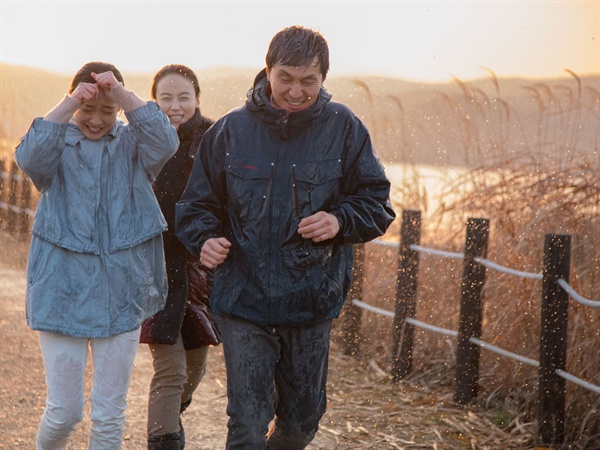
(214, 251)
(319, 227)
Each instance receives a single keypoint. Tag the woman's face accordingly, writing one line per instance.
(176, 97)
(96, 117)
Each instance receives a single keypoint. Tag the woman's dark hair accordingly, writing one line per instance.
(85, 74)
(179, 69)
(298, 46)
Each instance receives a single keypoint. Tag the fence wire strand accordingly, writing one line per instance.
(430, 327)
(578, 298)
(374, 309)
(507, 270)
(385, 243)
(431, 251)
(501, 351)
(579, 381)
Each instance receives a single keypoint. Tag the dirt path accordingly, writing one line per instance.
(365, 410)
(22, 387)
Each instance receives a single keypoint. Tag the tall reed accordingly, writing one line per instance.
(533, 169)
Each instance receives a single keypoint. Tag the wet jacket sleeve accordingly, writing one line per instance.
(365, 211)
(200, 212)
(40, 150)
(157, 138)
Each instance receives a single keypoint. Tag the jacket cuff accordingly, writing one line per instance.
(63, 112)
(125, 99)
(339, 237)
(43, 125)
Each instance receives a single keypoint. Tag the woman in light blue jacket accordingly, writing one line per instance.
(96, 264)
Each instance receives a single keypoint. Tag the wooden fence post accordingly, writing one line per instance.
(471, 305)
(3, 190)
(406, 294)
(553, 339)
(353, 314)
(13, 185)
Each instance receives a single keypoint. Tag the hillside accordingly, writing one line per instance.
(458, 123)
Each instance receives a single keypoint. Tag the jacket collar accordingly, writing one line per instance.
(187, 130)
(284, 123)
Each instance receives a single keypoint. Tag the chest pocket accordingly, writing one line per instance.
(248, 181)
(316, 185)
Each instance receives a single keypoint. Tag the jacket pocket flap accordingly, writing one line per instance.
(248, 168)
(318, 172)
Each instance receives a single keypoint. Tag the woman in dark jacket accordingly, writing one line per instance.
(178, 349)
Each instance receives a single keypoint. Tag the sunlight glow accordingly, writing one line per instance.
(429, 41)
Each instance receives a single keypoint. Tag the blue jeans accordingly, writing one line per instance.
(275, 373)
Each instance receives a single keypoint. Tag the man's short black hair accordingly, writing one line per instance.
(298, 46)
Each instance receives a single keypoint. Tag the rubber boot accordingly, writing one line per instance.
(167, 441)
(183, 407)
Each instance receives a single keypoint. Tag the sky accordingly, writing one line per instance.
(420, 41)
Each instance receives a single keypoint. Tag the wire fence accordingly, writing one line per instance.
(553, 342)
(17, 201)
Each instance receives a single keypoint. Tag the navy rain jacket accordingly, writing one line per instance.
(259, 170)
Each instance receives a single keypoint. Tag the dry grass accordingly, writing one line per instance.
(523, 205)
(528, 184)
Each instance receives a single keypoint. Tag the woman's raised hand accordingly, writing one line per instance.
(115, 91)
(84, 92)
(106, 80)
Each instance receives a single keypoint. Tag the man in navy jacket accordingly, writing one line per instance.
(280, 190)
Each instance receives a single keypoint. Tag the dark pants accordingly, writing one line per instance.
(274, 373)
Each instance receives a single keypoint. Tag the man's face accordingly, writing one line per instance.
(295, 88)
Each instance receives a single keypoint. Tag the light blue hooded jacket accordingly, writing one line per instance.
(96, 263)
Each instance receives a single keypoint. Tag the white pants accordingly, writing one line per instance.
(65, 359)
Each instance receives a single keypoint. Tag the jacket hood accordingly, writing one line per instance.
(283, 123)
